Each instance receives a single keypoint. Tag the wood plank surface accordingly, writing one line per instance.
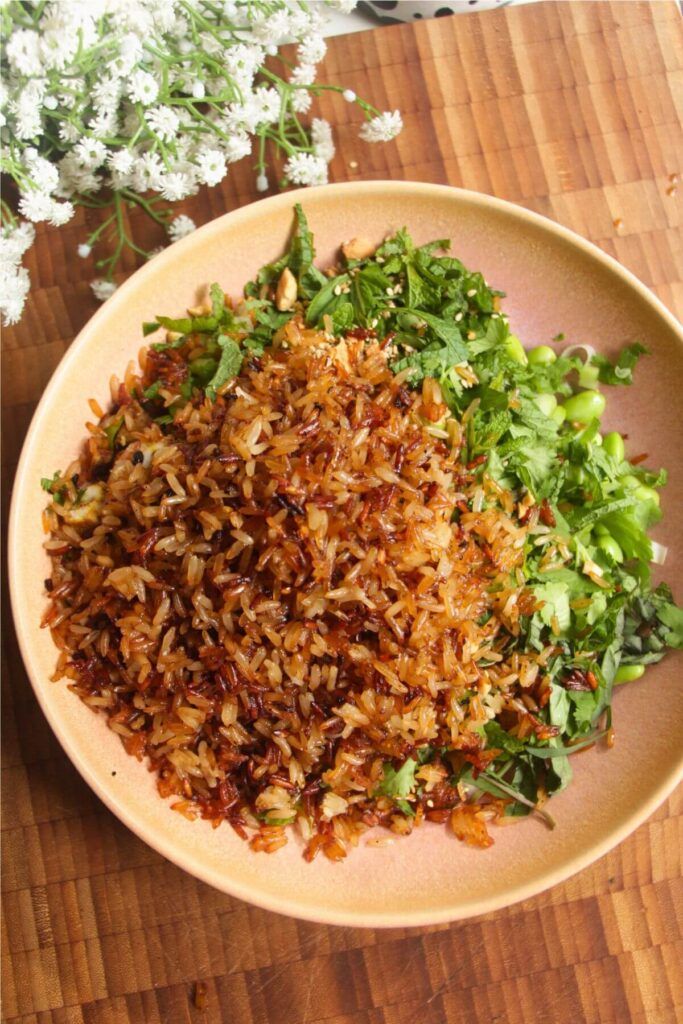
(569, 109)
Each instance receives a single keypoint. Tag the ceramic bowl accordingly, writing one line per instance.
(555, 281)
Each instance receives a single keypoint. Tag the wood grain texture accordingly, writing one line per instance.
(569, 109)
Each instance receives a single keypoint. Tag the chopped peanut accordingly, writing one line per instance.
(286, 293)
(358, 249)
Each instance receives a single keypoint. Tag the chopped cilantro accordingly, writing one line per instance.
(398, 783)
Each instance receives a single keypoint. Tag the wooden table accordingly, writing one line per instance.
(569, 109)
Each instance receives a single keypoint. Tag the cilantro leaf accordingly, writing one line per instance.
(397, 783)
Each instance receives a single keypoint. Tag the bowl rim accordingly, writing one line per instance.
(251, 893)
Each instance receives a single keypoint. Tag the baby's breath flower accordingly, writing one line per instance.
(180, 227)
(345, 6)
(60, 213)
(14, 285)
(211, 166)
(14, 279)
(321, 136)
(175, 186)
(311, 50)
(303, 74)
(349, 95)
(301, 101)
(382, 128)
(238, 146)
(142, 88)
(164, 122)
(122, 161)
(90, 153)
(102, 289)
(104, 123)
(152, 96)
(306, 169)
(148, 171)
(68, 132)
(23, 52)
(36, 206)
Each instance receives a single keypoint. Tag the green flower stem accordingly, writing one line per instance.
(261, 165)
(6, 215)
(92, 238)
(146, 205)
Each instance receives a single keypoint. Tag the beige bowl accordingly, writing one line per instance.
(555, 282)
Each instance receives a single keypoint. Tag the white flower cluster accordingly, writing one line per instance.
(14, 279)
(128, 97)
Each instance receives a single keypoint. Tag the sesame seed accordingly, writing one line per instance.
(458, 317)
(337, 289)
(353, 164)
(471, 335)
(472, 292)
(390, 291)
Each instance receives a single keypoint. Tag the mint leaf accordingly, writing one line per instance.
(672, 618)
(217, 301)
(229, 365)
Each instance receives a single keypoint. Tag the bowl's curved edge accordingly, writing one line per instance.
(247, 893)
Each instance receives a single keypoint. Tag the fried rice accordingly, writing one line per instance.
(282, 598)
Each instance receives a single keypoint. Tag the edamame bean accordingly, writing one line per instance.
(644, 493)
(586, 406)
(515, 349)
(547, 403)
(559, 415)
(627, 673)
(542, 355)
(202, 369)
(609, 547)
(613, 443)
